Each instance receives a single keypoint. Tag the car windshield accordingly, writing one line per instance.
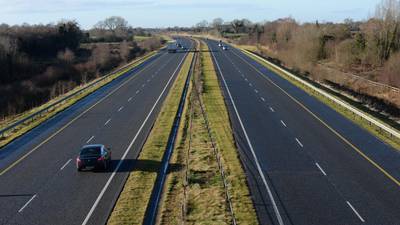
(91, 151)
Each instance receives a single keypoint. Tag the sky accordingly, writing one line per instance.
(158, 13)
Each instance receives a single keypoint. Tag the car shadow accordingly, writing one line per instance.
(16, 195)
(130, 165)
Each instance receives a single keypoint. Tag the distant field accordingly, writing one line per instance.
(141, 38)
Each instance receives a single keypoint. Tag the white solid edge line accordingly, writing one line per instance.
(65, 164)
(277, 213)
(128, 148)
(355, 211)
(320, 168)
(283, 123)
(298, 142)
(83, 113)
(89, 139)
(27, 203)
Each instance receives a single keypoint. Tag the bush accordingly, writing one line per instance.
(391, 70)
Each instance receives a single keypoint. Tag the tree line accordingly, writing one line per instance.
(40, 62)
(369, 48)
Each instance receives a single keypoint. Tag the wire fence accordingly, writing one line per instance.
(215, 151)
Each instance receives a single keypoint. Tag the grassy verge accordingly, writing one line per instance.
(222, 132)
(384, 136)
(28, 125)
(195, 194)
(134, 198)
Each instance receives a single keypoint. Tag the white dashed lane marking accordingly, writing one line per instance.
(320, 168)
(298, 142)
(107, 122)
(91, 138)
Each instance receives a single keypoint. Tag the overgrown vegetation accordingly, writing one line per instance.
(135, 196)
(41, 62)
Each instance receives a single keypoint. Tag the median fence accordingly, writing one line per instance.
(216, 153)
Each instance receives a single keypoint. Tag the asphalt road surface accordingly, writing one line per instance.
(304, 161)
(39, 183)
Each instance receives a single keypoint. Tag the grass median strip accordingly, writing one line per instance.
(135, 196)
(30, 124)
(384, 136)
(196, 194)
(222, 132)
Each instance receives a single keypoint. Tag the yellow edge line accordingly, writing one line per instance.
(324, 123)
(73, 120)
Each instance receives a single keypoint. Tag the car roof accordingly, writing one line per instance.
(93, 145)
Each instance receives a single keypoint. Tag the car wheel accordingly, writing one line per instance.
(79, 169)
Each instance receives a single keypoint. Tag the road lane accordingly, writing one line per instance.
(276, 124)
(66, 196)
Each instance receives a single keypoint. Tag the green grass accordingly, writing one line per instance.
(135, 196)
(205, 200)
(223, 135)
(28, 125)
(141, 38)
(384, 136)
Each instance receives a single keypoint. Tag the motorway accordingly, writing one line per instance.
(39, 183)
(306, 164)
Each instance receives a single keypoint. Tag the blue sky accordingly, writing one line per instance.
(157, 13)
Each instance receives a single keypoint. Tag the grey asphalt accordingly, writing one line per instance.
(314, 176)
(45, 188)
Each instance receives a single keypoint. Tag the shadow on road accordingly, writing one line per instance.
(129, 165)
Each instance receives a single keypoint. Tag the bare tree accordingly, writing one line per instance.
(117, 25)
(202, 25)
(217, 23)
(388, 35)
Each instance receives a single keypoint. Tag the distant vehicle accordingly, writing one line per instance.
(219, 45)
(225, 47)
(179, 45)
(95, 156)
(171, 49)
